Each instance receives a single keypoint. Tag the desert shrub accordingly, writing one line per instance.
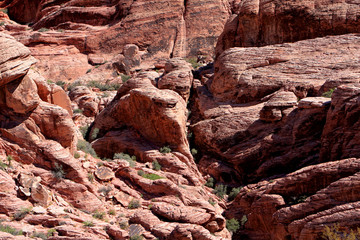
(99, 215)
(220, 190)
(90, 177)
(124, 78)
(104, 87)
(43, 30)
(20, 214)
(151, 176)
(124, 225)
(329, 93)
(105, 190)
(156, 165)
(136, 237)
(134, 204)
(3, 166)
(193, 62)
(78, 110)
(39, 235)
(297, 199)
(141, 173)
(232, 225)
(334, 232)
(165, 149)
(9, 158)
(124, 156)
(4, 10)
(61, 84)
(112, 212)
(76, 155)
(86, 147)
(94, 133)
(88, 224)
(234, 192)
(51, 232)
(58, 171)
(210, 182)
(2, 23)
(194, 152)
(88, 71)
(243, 220)
(11, 230)
(73, 85)
(212, 201)
(83, 129)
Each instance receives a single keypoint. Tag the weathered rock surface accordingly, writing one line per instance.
(259, 23)
(248, 74)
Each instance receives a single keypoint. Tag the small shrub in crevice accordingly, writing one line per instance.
(156, 165)
(43, 30)
(151, 176)
(141, 173)
(112, 212)
(220, 190)
(136, 237)
(329, 93)
(124, 225)
(86, 147)
(212, 201)
(73, 85)
(58, 171)
(11, 230)
(39, 235)
(210, 182)
(165, 149)
(83, 129)
(335, 232)
(124, 156)
(234, 192)
(99, 215)
(232, 225)
(94, 134)
(124, 78)
(20, 214)
(76, 155)
(243, 220)
(88, 224)
(61, 84)
(78, 110)
(134, 204)
(105, 190)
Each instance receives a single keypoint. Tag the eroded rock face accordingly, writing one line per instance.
(259, 23)
(248, 74)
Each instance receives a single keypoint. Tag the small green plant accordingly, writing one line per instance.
(94, 133)
(124, 78)
(51, 232)
(83, 129)
(151, 176)
(4, 10)
(156, 165)
(61, 84)
(43, 30)
(105, 190)
(297, 199)
(232, 225)
(234, 192)
(329, 93)
(78, 110)
(104, 87)
(194, 152)
(90, 177)
(136, 237)
(2, 23)
(124, 225)
(210, 182)
(193, 62)
(86, 147)
(11, 230)
(220, 190)
(243, 220)
(3, 166)
(112, 212)
(76, 155)
(39, 235)
(124, 156)
(60, 30)
(165, 149)
(58, 171)
(134, 204)
(9, 158)
(73, 85)
(99, 215)
(20, 214)
(49, 81)
(212, 201)
(88, 224)
(141, 173)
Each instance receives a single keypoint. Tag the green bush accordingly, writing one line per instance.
(9, 158)
(99, 215)
(51, 232)
(78, 110)
(4, 10)
(88, 224)
(124, 225)
(90, 177)
(243, 220)
(11, 230)
(86, 147)
(194, 152)
(58, 171)
(124, 156)
(43, 30)
(83, 129)
(61, 84)
(94, 134)
(220, 190)
(234, 192)
(76, 155)
(73, 85)
(112, 212)
(212, 201)
(124, 78)
(104, 87)
(165, 149)
(151, 176)
(329, 93)
(141, 173)
(156, 165)
(232, 225)
(20, 214)
(193, 62)
(210, 182)
(3, 166)
(136, 237)
(39, 235)
(134, 204)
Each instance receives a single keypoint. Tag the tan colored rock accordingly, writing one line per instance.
(15, 59)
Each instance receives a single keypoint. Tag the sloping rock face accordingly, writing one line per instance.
(248, 74)
(259, 23)
(299, 205)
(177, 27)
